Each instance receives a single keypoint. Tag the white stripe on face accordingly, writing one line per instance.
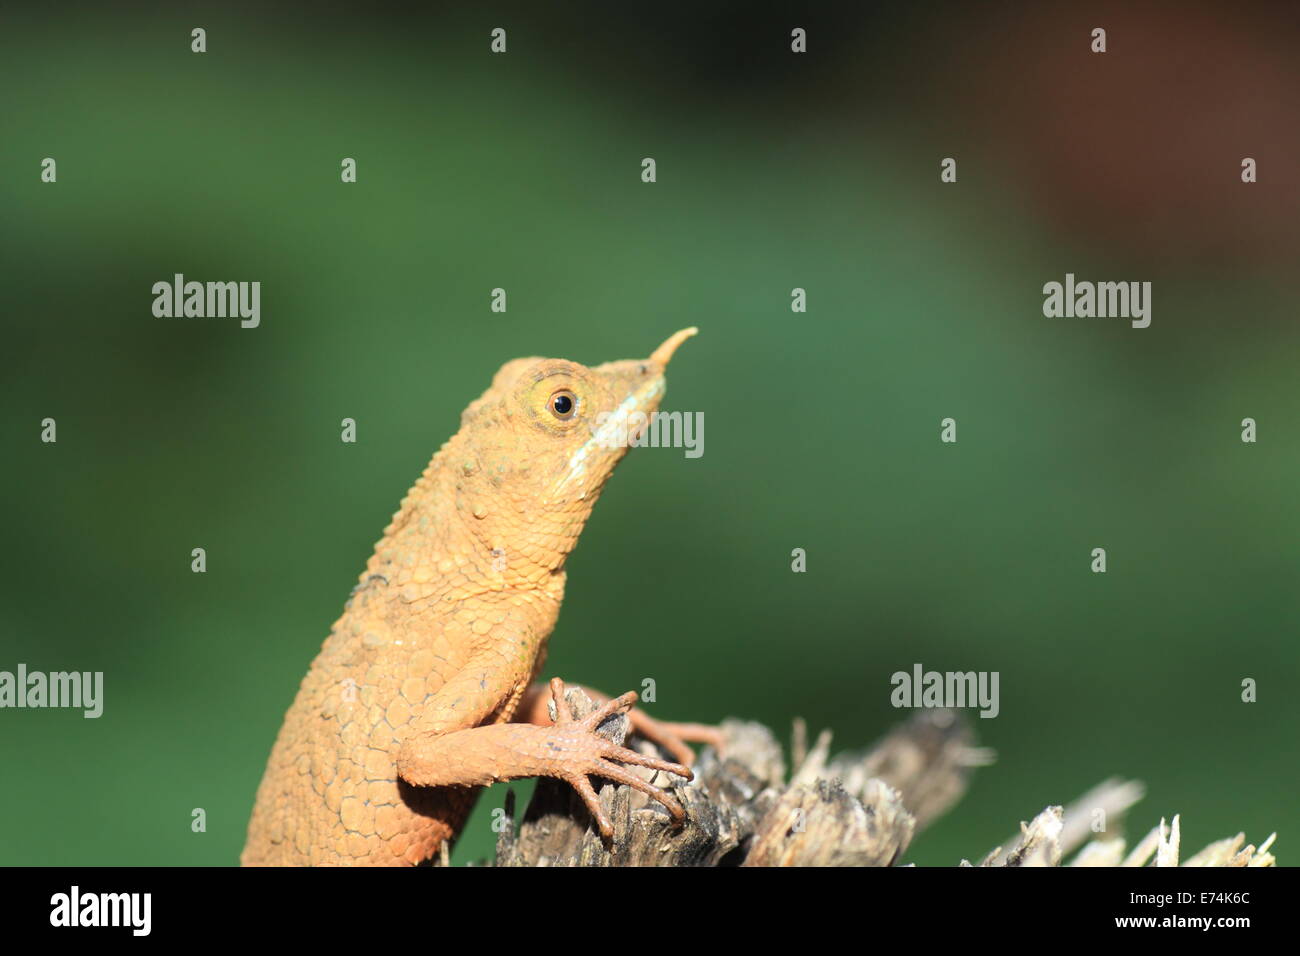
(613, 427)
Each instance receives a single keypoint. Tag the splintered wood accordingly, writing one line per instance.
(855, 809)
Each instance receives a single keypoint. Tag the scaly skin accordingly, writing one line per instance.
(406, 709)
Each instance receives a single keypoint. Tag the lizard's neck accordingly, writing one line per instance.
(456, 526)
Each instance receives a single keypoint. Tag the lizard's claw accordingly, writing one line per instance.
(588, 754)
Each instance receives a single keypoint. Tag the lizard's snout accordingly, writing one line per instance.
(630, 396)
(637, 385)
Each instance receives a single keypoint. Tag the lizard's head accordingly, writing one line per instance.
(546, 436)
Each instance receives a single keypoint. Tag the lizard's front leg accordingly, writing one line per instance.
(672, 737)
(568, 749)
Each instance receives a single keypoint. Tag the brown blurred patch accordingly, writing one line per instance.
(1140, 148)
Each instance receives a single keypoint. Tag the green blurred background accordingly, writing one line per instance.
(774, 171)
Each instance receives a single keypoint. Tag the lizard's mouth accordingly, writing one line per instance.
(642, 385)
(645, 400)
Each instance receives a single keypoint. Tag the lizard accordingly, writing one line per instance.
(424, 690)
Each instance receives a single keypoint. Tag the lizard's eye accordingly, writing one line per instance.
(563, 404)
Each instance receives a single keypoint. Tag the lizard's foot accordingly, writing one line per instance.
(581, 753)
(670, 737)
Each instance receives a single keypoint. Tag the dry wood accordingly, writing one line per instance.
(856, 809)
